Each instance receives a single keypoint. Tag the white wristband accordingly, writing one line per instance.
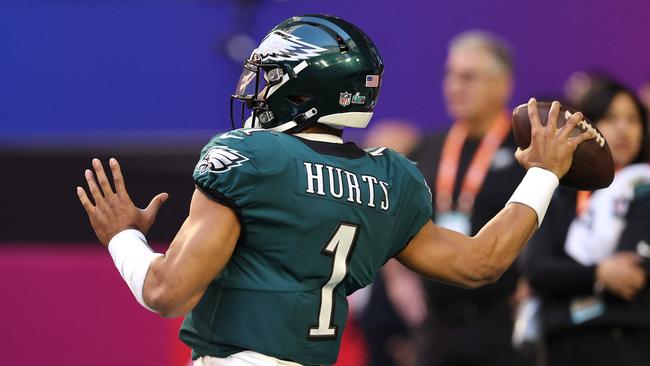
(536, 191)
(132, 257)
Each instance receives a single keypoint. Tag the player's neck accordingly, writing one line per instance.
(479, 126)
(322, 133)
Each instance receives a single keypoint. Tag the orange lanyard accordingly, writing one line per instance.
(582, 201)
(477, 170)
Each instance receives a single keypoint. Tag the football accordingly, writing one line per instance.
(592, 167)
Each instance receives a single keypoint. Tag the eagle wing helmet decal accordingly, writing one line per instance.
(281, 46)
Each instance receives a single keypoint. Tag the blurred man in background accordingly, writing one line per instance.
(472, 172)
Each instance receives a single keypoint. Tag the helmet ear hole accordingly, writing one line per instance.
(298, 99)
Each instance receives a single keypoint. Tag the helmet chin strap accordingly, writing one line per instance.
(281, 128)
(302, 121)
(284, 127)
(299, 123)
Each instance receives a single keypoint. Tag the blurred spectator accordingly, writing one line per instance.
(595, 302)
(580, 82)
(396, 305)
(472, 172)
(399, 135)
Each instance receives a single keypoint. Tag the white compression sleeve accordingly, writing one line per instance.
(536, 191)
(132, 257)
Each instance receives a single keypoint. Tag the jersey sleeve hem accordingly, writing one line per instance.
(408, 240)
(224, 200)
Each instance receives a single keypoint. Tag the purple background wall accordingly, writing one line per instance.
(71, 66)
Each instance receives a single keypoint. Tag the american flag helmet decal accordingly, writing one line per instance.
(372, 81)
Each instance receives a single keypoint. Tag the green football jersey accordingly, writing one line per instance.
(318, 221)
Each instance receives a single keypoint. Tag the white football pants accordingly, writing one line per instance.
(246, 358)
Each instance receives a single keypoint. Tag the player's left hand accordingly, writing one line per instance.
(114, 211)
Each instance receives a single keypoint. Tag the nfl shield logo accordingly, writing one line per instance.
(345, 98)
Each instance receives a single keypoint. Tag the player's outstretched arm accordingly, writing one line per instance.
(448, 256)
(169, 284)
(176, 281)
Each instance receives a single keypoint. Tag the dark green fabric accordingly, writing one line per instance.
(268, 295)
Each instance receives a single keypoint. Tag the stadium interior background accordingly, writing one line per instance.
(149, 82)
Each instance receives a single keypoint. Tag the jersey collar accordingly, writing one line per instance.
(321, 137)
(345, 150)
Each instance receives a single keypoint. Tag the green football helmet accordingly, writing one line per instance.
(309, 69)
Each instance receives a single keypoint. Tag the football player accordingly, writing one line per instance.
(287, 219)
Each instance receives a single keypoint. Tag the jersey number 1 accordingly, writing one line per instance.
(340, 247)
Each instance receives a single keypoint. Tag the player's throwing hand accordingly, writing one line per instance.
(114, 211)
(551, 148)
